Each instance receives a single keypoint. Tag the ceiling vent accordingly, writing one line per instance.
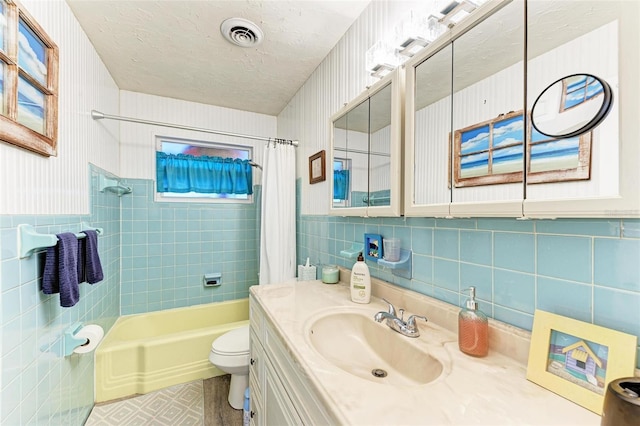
(241, 32)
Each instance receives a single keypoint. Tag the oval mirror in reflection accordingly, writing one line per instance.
(572, 106)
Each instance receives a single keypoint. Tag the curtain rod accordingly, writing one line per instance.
(97, 115)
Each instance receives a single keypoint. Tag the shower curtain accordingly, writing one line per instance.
(278, 214)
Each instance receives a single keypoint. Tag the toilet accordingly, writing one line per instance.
(230, 353)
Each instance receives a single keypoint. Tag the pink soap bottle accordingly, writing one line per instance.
(473, 328)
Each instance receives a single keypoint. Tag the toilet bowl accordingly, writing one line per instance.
(230, 353)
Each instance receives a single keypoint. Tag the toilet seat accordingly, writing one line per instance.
(232, 343)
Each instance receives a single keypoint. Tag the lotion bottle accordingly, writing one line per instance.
(360, 282)
(473, 328)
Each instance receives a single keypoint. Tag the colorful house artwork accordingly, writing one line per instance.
(581, 359)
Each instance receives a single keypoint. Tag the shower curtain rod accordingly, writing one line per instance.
(97, 115)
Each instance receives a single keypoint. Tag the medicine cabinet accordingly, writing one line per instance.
(470, 147)
(366, 138)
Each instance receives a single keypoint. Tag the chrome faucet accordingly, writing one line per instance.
(409, 328)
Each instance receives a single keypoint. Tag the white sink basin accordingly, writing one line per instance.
(355, 343)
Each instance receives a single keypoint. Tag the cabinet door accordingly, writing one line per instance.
(350, 159)
(277, 409)
(366, 138)
(594, 174)
(385, 127)
(428, 129)
(255, 403)
(256, 367)
(458, 161)
(488, 120)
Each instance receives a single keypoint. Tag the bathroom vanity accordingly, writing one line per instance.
(310, 366)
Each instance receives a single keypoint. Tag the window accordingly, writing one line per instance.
(174, 146)
(28, 81)
(341, 168)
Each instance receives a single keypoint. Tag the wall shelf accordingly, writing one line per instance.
(353, 251)
(113, 185)
(402, 267)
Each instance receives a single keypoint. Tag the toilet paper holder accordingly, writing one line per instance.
(71, 341)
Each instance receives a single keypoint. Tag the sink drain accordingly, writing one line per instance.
(378, 372)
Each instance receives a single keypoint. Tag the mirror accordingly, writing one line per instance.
(380, 149)
(366, 137)
(351, 157)
(488, 134)
(431, 130)
(569, 157)
(571, 106)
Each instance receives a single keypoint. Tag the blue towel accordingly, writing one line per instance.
(61, 270)
(81, 254)
(92, 266)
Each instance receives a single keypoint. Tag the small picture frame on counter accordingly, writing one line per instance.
(577, 360)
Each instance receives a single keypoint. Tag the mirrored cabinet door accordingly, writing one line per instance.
(428, 129)
(580, 69)
(488, 119)
(366, 147)
(350, 158)
(464, 151)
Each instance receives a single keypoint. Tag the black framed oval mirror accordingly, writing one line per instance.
(571, 106)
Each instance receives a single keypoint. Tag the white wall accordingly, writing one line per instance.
(137, 141)
(338, 79)
(32, 184)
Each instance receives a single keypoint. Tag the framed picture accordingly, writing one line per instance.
(317, 167)
(493, 152)
(577, 360)
(373, 247)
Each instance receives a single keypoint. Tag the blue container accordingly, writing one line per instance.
(246, 411)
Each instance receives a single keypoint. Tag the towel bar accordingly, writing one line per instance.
(29, 240)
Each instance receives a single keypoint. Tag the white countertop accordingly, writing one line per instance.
(478, 391)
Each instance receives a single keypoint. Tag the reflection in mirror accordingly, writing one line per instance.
(565, 145)
(362, 153)
(432, 129)
(351, 162)
(488, 99)
(380, 152)
(571, 106)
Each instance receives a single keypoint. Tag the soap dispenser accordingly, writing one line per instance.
(360, 282)
(473, 328)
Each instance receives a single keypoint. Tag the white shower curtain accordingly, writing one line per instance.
(278, 223)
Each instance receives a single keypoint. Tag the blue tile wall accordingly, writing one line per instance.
(167, 247)
(584, 269)
(39, 385)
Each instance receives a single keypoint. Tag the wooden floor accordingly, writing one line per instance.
(217, 411)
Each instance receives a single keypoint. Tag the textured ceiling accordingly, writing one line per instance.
(175, 48)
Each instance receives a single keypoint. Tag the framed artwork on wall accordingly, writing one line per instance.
(577, 360)
(317, 167)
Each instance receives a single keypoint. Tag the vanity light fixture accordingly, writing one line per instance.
(416, 32)
(456, 11)
(381, 59)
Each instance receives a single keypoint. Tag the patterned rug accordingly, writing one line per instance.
(178, 405)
